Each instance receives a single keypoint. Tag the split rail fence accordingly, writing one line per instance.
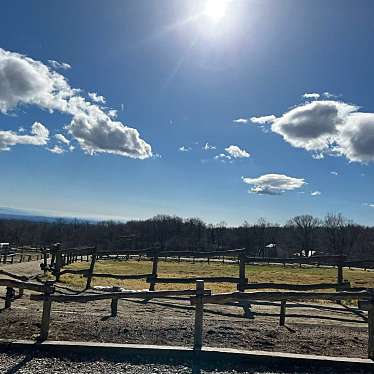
(199, 297)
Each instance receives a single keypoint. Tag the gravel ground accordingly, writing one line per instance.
(48, 364)
(171, 323)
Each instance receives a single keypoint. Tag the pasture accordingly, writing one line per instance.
(255, 273)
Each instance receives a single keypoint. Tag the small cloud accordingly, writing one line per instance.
(112, 113)
(329, 95)
(223, 158)
(122, 107)
(273, 184)
(208, 147)
(96, 98)
(21, 129)
(315, 193)
(236, 152)
(263, 120)
(241, 120)
(61, 138)
(185, 149)
(313, 96)
(71, 148)
(334, 173)
(59, 65)
(56, 149)
(318, 156)
(370, 205)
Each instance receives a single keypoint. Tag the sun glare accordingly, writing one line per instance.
(215, 9)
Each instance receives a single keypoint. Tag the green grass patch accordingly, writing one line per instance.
(254, 273)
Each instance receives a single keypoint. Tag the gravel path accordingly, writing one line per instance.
(47, 364)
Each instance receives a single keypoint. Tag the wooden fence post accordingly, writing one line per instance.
(91, 270)
(154, 273)
(47, 305)
(114, 303)
(199, 316)
(9, 297)
(282, 317)
(242, 280)
(371, 326)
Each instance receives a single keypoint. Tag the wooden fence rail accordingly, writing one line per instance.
(199, 300)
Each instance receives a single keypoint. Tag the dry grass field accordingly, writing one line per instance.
(255, 273)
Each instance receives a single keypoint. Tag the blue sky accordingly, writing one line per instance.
(180, 73)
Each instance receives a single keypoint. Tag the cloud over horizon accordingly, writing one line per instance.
(273, 184)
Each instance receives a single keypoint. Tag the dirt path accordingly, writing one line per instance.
(23, 268)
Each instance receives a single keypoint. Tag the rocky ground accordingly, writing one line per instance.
(333, 330)
(47, 364)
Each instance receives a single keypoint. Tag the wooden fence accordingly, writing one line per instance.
(199, 296)
(200, 299)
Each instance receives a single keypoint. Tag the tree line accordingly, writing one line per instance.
(301, 235)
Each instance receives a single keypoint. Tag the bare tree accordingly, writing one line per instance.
(304, 227)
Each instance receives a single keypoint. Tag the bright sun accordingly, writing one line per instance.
(215, 9)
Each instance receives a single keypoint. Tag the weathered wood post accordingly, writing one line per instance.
(114, 302)
(47, 305)
(339, 276)
(45, 261)
(154, 272)
(242, 279)
(282, 317)
(199, 316)
(9, 297)
(371, 326)
(91, 270)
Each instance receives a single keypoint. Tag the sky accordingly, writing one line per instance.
(223, 110)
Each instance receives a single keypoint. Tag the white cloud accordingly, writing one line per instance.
(356, 138)
(315, 193)
(39, 136)
(24, 81)
(370, 205)
(61, 138)
(96, 98)
(318, 156)
(236, 152)
(208, 147)
(313, 126)
(97, 133)
(184, 149)
(223, 158)
(59, 65)
(329, 95)
(56, 149)
(240, 120)
(329, 127)
(112, 113)
(273, 184)
(264, 120)
(313, 96)
(334, 173)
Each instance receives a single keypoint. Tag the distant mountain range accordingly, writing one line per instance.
(28, 215)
